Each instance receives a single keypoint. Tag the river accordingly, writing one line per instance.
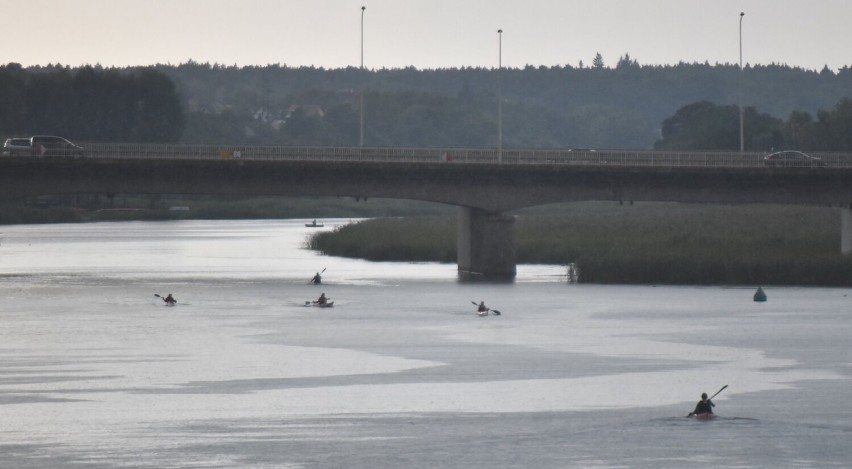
(97, 372)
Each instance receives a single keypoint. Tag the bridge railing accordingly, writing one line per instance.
(637, 158)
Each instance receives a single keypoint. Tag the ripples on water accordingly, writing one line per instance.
(96, 372)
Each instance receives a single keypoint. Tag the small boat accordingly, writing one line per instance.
(314, 225)
(704, 416)
(330, 304)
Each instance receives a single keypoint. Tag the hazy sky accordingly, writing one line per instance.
(424, 33)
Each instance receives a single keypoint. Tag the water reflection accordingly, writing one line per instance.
(206, 249)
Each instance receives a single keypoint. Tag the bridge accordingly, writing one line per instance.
(484, 183)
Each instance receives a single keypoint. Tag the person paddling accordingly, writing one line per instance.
(321, 300)
(317, 279)
(704, 406)
(170, 300)
(483, 310)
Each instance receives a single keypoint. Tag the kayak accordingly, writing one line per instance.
(330, 304)
(704, 416)
(314, 225)
(489, 311)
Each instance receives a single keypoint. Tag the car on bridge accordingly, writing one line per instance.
(40, 145)
(49, 145)
(17, 146)
(792, 158)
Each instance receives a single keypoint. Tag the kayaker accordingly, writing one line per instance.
(317, 279)
(170, 300)
(704, 406)
(322, 300)
(482, 309)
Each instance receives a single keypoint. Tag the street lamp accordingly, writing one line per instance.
(742, 140)
(500, 96)
(361, 134)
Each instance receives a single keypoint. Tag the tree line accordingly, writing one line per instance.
(566, 106)
(707, 126)
(90, 104)
(628, 105)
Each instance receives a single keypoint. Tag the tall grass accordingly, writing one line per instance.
(431, 238)
(643, 243)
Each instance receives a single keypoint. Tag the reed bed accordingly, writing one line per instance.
(649, 243)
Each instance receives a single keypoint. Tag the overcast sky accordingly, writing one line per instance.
(424, 33)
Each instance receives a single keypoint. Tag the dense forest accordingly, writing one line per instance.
(628, 105)
(89, 104)
(706, 126)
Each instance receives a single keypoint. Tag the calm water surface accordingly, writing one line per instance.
(95, 372)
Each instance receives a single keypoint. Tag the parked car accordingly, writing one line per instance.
(792, 158)
(17, 146)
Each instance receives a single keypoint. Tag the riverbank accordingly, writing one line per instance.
(94, 208)
(648, 243)
(644, 243)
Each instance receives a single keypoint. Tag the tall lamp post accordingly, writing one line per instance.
(742, 133)
(361, 133)
(500, 96)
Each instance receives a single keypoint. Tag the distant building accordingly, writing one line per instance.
(309, 110)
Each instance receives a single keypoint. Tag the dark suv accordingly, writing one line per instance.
(47, 145)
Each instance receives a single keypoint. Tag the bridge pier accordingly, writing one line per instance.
(846, 229)
(486, 244)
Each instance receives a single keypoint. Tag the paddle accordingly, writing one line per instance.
(710, 398)
(717, 392)
(496, 312)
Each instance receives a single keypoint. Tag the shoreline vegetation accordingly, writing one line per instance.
(647, 243)
(641, 243)
(96, 208)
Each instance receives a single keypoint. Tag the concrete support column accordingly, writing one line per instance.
(846, 230)
(486, 243)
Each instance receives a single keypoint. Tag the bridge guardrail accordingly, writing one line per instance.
(554, 157)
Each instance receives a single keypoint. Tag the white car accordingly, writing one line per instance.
(792, 158)
(17, 146)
